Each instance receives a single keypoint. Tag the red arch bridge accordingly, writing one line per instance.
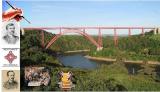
(82, 31)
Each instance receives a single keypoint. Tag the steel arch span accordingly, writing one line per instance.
(81, 31)
(87, 36)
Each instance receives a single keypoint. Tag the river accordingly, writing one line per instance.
(79, 61)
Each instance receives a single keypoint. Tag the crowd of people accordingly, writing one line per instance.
(37, 74)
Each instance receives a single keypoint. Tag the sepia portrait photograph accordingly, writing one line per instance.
(10, 80)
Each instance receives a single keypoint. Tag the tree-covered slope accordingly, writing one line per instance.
(105, 78)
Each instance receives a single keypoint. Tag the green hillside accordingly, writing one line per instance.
(136, 47)
(106, 77)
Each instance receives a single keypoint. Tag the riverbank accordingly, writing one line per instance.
(76, 51)
(113, 60)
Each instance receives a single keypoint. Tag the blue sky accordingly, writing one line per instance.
(89, 13)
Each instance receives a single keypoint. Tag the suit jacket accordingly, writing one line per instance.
(10, 85)
(11, 40)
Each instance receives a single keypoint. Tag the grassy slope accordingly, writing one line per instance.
(106, 77)
(133, 48)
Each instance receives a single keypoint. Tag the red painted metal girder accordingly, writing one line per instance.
(54, 38)
(72, 31)
(56, 28)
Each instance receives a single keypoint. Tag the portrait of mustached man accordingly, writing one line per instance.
(10, 37)
(11, 83)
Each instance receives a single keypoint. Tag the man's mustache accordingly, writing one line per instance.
(12, 32)
(12, 78)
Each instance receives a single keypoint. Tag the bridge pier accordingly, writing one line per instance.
(22, 31)
(99, 48)
(60, 31)
(42, 39)
(142, 31)
(115, 37)
(99, 37)
(84, 31)
(157, 31)
(129, 33)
